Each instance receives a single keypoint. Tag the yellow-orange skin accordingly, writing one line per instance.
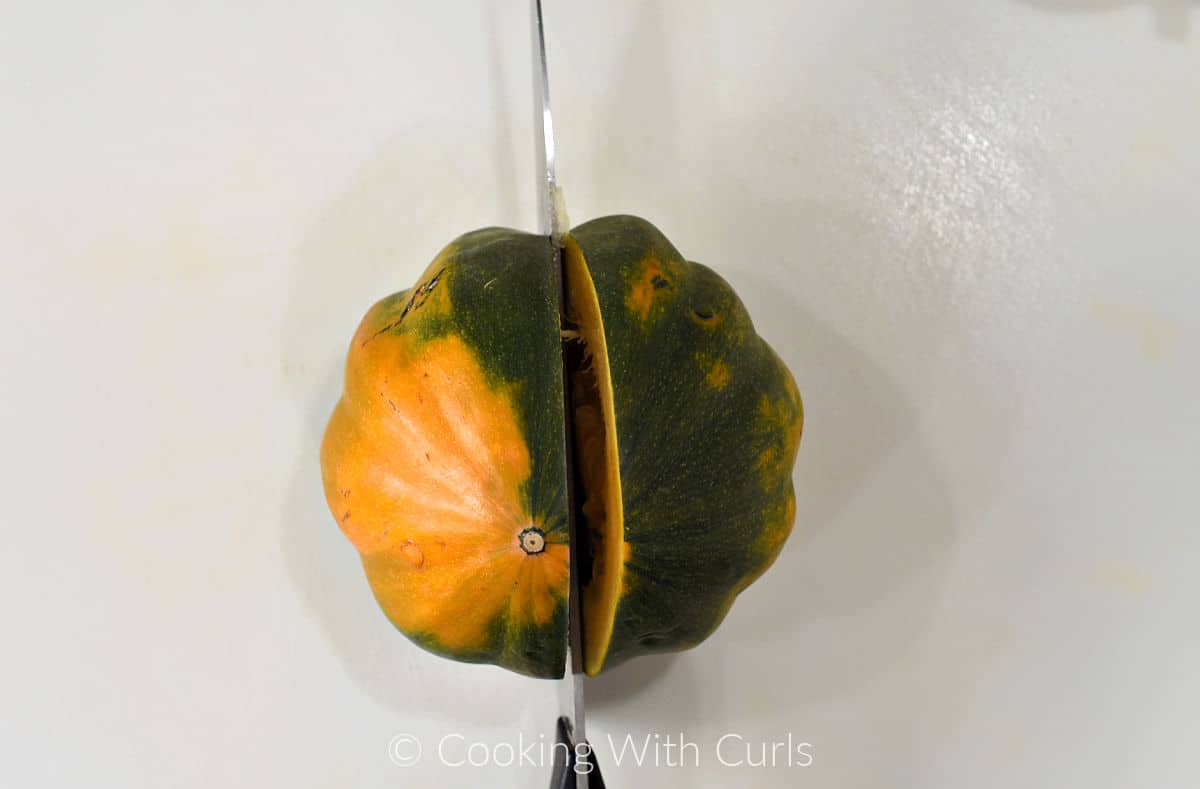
(423, 464)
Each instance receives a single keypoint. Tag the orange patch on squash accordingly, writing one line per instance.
(649, 286)
(437, 460)
(777, 533)
(716, 371)
(767, 459)
(784, 420)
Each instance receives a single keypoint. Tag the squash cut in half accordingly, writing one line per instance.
(445, 460)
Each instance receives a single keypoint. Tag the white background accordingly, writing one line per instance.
(969, 226)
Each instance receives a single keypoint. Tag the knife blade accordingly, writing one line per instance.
(552, 223)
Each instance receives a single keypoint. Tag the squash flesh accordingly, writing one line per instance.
(595, 438)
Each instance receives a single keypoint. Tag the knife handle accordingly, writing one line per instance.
(570, 765)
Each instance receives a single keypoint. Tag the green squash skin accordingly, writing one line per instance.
(705, 454)
(504, 304)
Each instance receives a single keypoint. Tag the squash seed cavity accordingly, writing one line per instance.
(593, 426)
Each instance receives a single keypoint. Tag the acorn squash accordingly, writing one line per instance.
(445, 460)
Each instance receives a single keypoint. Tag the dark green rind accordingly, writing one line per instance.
(504, 295)
(701, 518)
